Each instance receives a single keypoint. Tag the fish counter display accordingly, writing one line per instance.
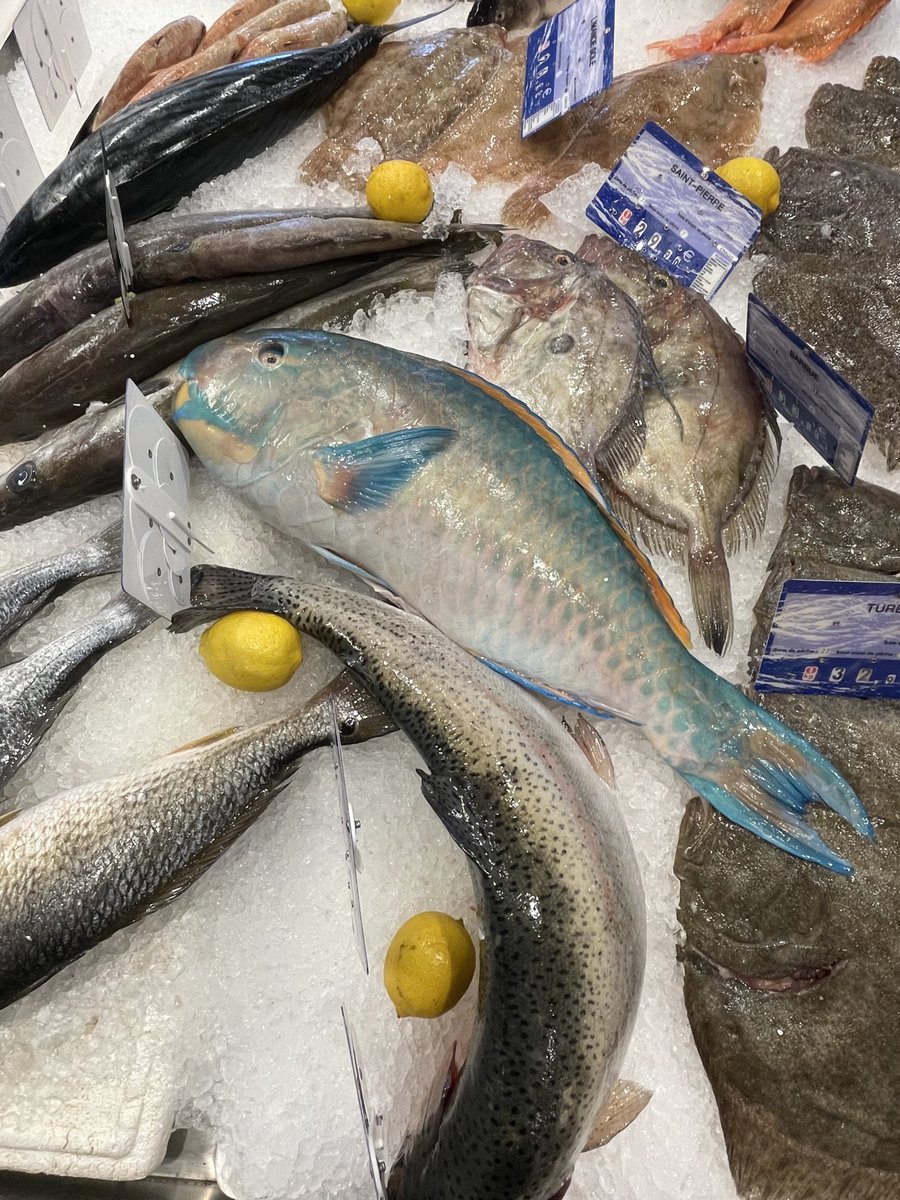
(518, 481)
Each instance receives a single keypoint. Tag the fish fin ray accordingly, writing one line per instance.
(764, 778)
(593, 747)
(711, 588)
(657, 537)
(207, 740)
(580, 473)
(596, 708)
(623, 1105)
(457, 802)
(747, 518)
(379, 586)
(360, 476)
(217, 591)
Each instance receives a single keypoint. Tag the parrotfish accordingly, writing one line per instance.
(454, 496)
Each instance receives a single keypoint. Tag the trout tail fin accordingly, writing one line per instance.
(218, 591)
(765, 776)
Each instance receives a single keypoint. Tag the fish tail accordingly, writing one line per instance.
(711, 588)
(764, 777)
(217, 591)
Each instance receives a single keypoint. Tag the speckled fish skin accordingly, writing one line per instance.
(791, 974)
(702, 480)
(83, 459)
(80, 865)
(833, 204)
(28, 589)
(854, 324)
(558, 884)
(34, 690)
(559, 334)
(475, 513)
(856, 124)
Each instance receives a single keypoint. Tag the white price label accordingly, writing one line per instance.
(20, 171)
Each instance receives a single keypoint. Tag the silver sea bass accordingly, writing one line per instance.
(79, 866)
(559, 890)
(34, 690)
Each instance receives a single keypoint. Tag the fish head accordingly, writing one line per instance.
(641, 279)
(236, 393)
(791, 978)
(519, 304)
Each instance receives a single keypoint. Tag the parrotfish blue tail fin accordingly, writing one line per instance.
(766, 776)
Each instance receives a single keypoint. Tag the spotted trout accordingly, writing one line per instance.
(559, 891)
(463, 503)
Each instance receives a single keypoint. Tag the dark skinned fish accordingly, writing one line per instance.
(701, 483)
(159, 149)
(883, 75)
(83, 459)
(558, 887)
(833, 205)
(858, 124)
(172, 250)
(513, 14)
(79, 866)
(791, 975)
(92, 361)
(853, 322)
(34, 690)
(26, 590)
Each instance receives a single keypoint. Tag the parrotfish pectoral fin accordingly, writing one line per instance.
(624, 1103)
(769, 782)
(549, 693)
(368, 474)
(465, 815)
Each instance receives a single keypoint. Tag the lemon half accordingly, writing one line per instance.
(370, 12)
(253, 651)
(429, 965)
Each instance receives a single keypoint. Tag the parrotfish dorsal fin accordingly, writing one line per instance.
(578, 471)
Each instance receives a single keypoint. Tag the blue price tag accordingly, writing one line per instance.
(663, 202)
(568, 60)
(819, 403)
(834, 638)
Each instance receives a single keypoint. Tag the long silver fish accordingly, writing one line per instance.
(26, 590)
(559, 334)
(702, 482)
(462, 502)
(147, 835)
(560, 894)
(34, 690)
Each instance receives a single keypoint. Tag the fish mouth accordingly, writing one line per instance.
(781, 981)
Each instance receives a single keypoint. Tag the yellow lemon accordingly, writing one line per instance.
(398, 190)
(370, 12)
(253, 651)
(756, 179)
(429, 965)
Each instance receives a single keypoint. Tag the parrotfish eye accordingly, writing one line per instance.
(563, 260)
(562, 343)
(270, 354)
(21, 477)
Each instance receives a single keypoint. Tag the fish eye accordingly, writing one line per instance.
(21, 477)
(562, 343)
(348, 727)
(270, 354)
(562, 260)
(662, 282)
